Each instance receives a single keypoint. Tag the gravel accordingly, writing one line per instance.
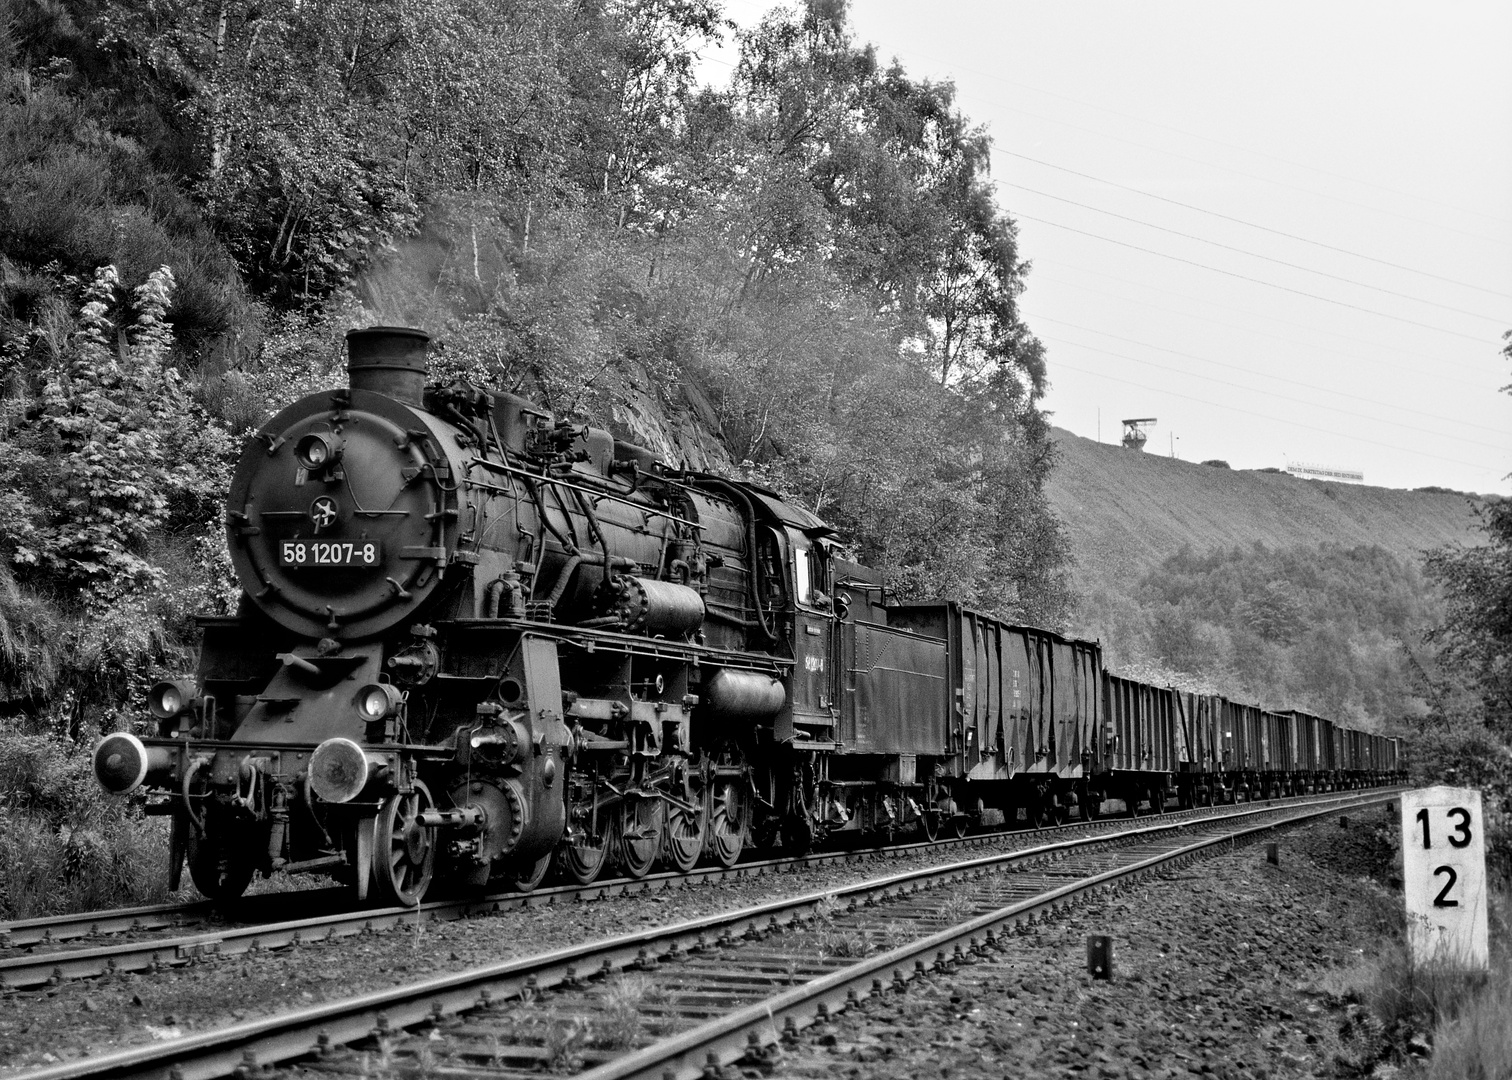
(1220, 965)
(1230, 967)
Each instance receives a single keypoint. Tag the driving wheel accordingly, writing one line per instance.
(682, 837)
(526, 874)
(404, 851)
(726, 833)
(636, 833)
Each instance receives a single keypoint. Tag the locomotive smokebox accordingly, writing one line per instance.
(389, 360)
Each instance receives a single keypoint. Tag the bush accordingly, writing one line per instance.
(64, 844)
(1217, 463)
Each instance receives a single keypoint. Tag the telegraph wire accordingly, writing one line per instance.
(1481, 237)
(1500, 321)
(1267, 375)
(954, 65)
(1254, 280)
(1479, 465)
(1283, 397)
(1231, 146)
(1241, 221)
(1040, 275)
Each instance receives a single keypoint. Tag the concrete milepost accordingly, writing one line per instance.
(1444, 876)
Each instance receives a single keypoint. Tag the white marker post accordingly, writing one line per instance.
(1444, 876)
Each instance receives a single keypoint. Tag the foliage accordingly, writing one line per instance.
(66, 846)
(1476, 635)
(1331, 629)
(801, 277)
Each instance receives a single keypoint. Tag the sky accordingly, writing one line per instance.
(1284, 230)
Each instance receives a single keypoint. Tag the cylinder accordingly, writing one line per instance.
(122, 763)
(744, 695)
(644, 606)
(389, 360)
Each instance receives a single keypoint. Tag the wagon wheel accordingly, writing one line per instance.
(220, 863)
(958, 822)
(1091, 804)
(525, 875)
(404, 851)
(929, 822)
(682, 837)
(1157, 800)
(635, 830)
(728, 819)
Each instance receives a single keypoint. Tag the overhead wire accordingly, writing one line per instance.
(1249, 150)
(1241, 221)
(1253, 280)
(1286, 397)
(1499, 320)
(1268, 375)
(1480, 237)
(1480, 466)
(1040, 275)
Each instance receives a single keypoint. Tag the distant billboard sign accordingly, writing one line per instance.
(1325, 472)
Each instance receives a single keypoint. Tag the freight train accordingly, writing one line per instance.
(476, 642)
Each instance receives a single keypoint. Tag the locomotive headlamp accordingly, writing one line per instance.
(167, 699)
(316, 451)
(378, 701)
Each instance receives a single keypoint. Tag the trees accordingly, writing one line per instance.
(1475, 637)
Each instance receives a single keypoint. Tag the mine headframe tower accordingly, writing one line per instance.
(1134, 437)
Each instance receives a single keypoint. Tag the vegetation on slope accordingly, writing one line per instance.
(1332, 629)
(806, 268)
(802, 277)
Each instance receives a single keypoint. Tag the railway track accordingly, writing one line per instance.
(40, 952)
(679, 1000)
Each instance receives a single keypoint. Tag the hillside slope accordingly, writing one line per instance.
(1126, 512)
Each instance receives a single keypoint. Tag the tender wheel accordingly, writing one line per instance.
(636, 834)
(929, 822)
(682, 837)
(525, 876)
(219, 864)
(726, 834)
(1091, 804)
(404, 851)
(582, 858)
(959, 823)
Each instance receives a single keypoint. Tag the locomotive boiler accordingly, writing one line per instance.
(471, 637)
(476, 642)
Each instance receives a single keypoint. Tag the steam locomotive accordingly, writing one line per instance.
(476, 642)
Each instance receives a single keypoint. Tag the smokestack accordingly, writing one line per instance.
(388, 360)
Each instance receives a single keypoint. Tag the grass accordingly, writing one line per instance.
(64, 844)
(1476, 1044)
(1401, 1011)
(622, 1021)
